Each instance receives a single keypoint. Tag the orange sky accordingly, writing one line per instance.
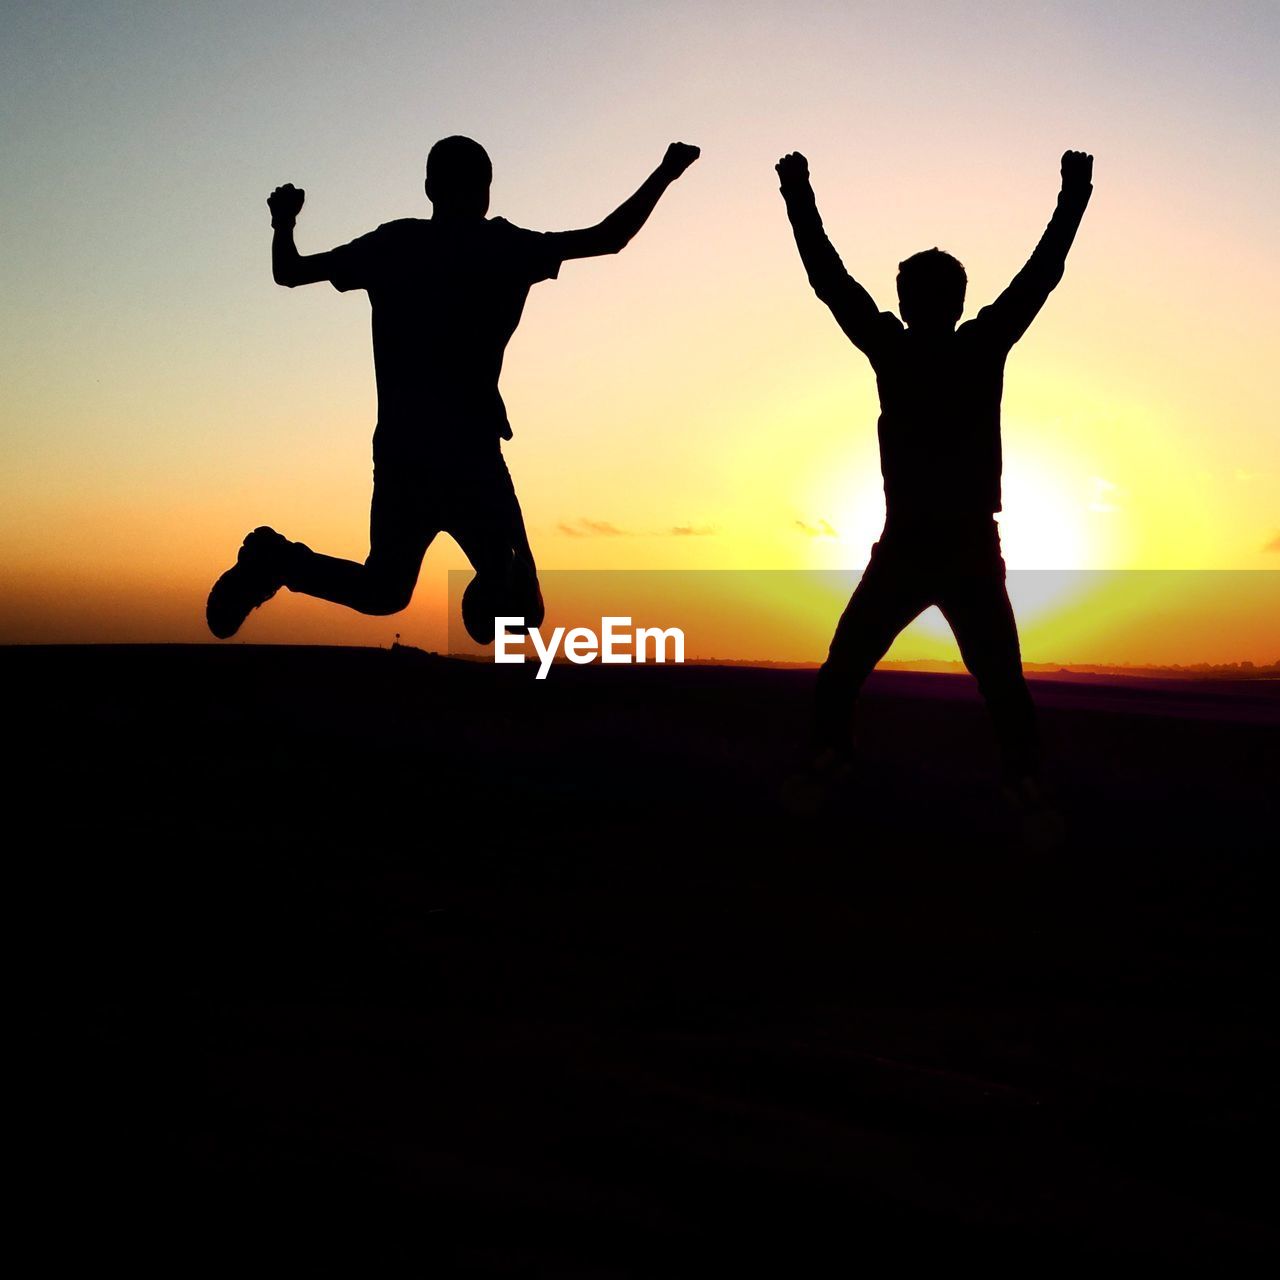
(688, 404)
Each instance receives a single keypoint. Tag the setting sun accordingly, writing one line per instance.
(685, 405)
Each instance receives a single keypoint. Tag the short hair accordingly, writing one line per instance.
(458, 164)
(934, 278)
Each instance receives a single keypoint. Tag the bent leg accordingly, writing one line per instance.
(399, 533)
(981, 616)
(888, 597)
(489, 527)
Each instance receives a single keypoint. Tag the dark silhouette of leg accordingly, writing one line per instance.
(891, 593)
(976, 605)
(489, 527)
(401, 528)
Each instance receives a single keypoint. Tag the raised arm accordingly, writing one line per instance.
(853, 307)
(1014, 310)
(288, 266)
(614, 233)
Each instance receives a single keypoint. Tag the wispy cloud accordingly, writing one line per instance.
(584, 528)
(823, 529)
(603, 529)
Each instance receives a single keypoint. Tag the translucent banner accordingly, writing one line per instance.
(1193, 620)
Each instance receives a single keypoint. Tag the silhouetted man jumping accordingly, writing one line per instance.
(939, 430)
(446, 293)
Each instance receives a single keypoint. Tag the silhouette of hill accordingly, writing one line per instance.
(1047, 670)
(1110, 670)
(544, 972)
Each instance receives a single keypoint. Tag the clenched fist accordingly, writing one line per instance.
(680, 155)
(1077, 169)
(793, 171)
(285, 203)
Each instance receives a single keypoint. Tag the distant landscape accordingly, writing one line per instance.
(1047, 670)
(1196, 671)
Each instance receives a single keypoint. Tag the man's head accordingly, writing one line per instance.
(931, 289)
(458, 176)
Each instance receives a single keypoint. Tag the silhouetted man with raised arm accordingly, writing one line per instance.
(939, 429)
(446, 294)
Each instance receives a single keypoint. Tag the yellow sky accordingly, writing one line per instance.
(162, 396)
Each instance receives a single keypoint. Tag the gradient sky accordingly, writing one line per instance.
(687, 404)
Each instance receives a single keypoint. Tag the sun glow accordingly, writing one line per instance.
(686, 406)
(1042, 525)
(1050, 535)
(1044, 535)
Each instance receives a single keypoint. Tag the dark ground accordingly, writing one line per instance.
(359, 944)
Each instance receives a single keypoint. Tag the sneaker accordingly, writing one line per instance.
(527, 591)
(478, 610)
(256, 576)
(519, 597)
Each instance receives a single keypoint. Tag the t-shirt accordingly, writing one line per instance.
(939, 425)
(446, 299)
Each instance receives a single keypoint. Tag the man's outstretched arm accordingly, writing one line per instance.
(853, 307)
(614, 233)
(288, 266)
(1014, 310)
